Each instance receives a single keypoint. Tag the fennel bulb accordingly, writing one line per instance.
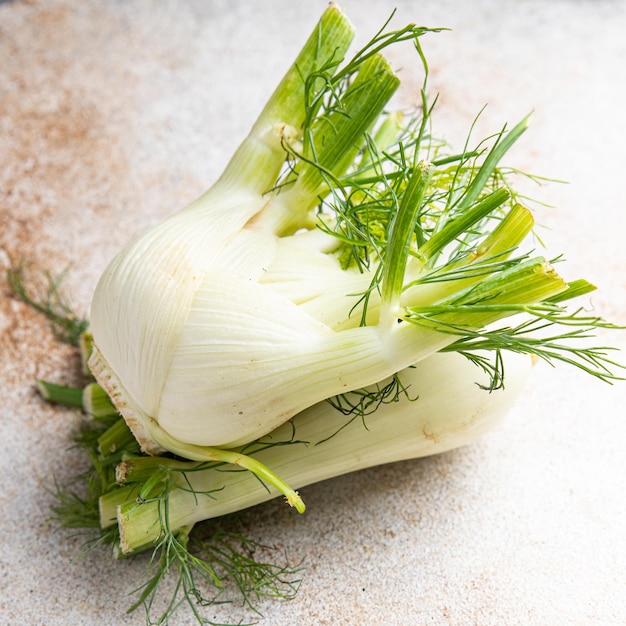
(263, 298)
(342, 246)
(442, 409)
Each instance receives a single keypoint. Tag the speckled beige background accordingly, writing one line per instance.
(113, 114)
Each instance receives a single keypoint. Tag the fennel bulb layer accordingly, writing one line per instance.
(444, 408)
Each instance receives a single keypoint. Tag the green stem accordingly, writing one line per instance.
(508, 234)
(462, 224)
(136, 517)
(111, 501)
(258, 160)
(504, 143)
(60, 394)
(208, 453)
(97, 403)
(116, 438)
(138, 469)
(489, 257)
(401, 234)
(337, 137)
(575, 289)
(385, 136)
(503, 294)
(331, 144)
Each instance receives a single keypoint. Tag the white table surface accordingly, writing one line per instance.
(114, 114)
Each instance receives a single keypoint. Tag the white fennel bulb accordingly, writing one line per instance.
(443, 409)
(340, 246)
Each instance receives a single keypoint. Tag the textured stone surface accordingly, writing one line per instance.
(113, 114)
